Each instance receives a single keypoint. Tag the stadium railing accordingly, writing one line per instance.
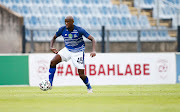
(40, 35)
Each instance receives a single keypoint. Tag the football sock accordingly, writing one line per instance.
(52, 70)
(86, 81)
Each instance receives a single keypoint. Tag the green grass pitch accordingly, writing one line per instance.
(124, 98)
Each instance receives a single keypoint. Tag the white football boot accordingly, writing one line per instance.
(90, 90)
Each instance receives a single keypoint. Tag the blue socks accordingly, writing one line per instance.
(52, 70)
(86, 81)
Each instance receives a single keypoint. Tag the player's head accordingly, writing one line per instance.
(69, 20)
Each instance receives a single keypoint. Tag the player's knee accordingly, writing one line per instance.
(81, 72)
(81, 75)
(53, 63)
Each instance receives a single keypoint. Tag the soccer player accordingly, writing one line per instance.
(74, 49)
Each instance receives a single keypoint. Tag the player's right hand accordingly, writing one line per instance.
(54, 50)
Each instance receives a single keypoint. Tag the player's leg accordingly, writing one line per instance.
(78, 61)
(63, 55)
(84, 78)
(57, 58)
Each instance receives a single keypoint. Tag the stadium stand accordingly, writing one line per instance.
(92, 14)
(168, 9)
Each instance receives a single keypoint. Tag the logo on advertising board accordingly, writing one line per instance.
(42, 69)
(163, 68)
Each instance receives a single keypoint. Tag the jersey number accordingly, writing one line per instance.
(80, 60)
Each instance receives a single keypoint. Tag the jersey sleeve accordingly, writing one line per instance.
(85, 33)
(59, 32)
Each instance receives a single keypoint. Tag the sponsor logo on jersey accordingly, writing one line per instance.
(75, 35)
(70, 36)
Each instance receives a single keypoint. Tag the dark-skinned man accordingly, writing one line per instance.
(74, 49)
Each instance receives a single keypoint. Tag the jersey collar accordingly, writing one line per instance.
(72, 30)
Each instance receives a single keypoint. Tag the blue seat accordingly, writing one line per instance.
(44, 21)
(27, 35)
(77, 20)
(85, 10)
(53, 21)
(16, 8)
(36, 35)
(64, 10)
(94, 21)
(2, 1)
(143, 21)
(144, 35)
(95, 2)
(174, 11)
(153, 35)
(27, 21)
(105, 2)
(149, 2)
(114, 10)
(85, 1)
(55, 10)
(134, 22)
(36, 2)
(115, 21)
(133, 35)
(124, 22)
(124, 10)
(35, 10)
(45, 10)
(95, 11)
(75, 10)
(167, 10)
(34, 21)
(114, 35)
(51, 33)
(85, 22)
(62, 20)
(66, 1)
(43, 35)
(177, 2)
(25, 10)
(75, 2)
(46, 1)
(15, 1)
(104, 10)
(25, 2)
(122, 36)
(163, 35)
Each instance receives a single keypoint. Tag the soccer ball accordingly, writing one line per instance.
(44, 85)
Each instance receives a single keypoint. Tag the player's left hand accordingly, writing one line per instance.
(93, 54)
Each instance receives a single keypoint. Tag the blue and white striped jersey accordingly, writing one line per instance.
(73, 40)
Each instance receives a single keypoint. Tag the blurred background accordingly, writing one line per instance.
(27, 26)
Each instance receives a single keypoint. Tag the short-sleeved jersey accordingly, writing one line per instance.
(73, 40)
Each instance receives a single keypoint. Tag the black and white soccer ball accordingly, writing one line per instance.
(44, 85)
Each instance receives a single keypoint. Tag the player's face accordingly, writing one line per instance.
(69, 23)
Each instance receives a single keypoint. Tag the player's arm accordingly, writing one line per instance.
(93, 53)
(58, 33)
(54, 50)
